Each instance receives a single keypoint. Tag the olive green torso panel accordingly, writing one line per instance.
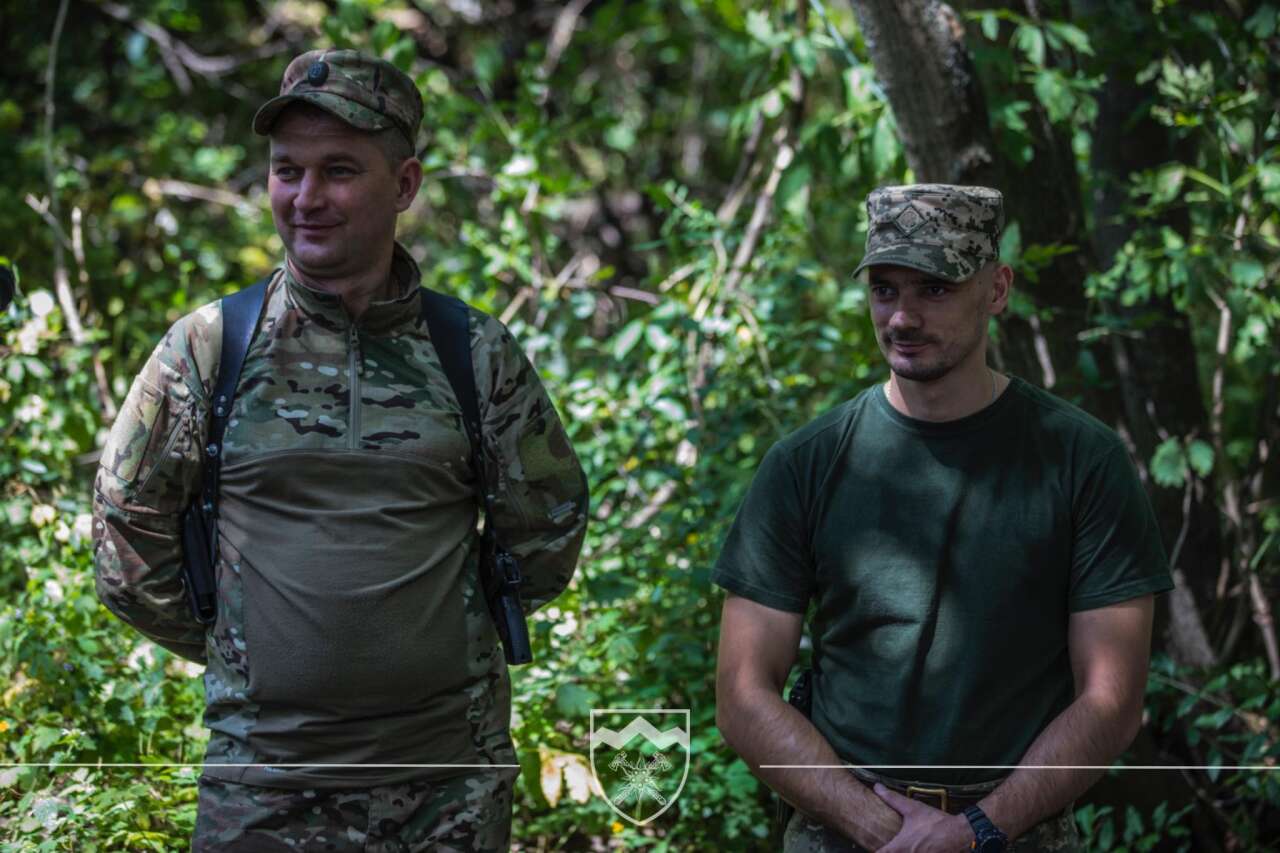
(351, 625)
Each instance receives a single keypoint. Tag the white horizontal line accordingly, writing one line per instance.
(1018, 767)
(221, 764)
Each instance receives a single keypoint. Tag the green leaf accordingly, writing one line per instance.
(1030, 41)
(45, 737)
(1011, 243)
(884, 144)
(1132, 823)
(627, 339)
(759, 27)
(793, 190)
(1169, 464)
(1168, 183)
(1054, 93)
(574, 700)
(1072, 35)
(1200, 455)
(805, 57)
(1247, 272)
(990, 25)
(671, 408)
(1262, 23)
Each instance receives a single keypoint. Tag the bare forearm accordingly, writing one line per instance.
(764, 729)
(1089, 733)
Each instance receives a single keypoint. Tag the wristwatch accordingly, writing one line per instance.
(987, 838)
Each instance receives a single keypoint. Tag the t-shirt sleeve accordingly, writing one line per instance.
(766, 556)
(1116, 554)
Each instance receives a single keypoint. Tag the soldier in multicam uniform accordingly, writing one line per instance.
(981, 558)
(356, 693)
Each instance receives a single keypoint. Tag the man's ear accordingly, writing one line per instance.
(408, 182)
(1001, 286)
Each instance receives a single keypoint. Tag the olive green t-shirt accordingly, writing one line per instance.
(943, 561)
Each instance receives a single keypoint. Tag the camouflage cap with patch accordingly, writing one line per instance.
(941, 229)
(365, 92)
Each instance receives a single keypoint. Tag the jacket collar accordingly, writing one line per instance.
(379, 318)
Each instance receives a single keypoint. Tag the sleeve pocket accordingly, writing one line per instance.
(134, 434)
(148, 446)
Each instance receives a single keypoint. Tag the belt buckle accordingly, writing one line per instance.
(940, 793)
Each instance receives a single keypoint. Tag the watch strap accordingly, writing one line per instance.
(987, 837)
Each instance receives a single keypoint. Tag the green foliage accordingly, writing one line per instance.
(1228, 722)
(1104, 832)
(597, 195)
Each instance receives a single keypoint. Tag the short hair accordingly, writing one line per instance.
(391, 141)
(394, 146)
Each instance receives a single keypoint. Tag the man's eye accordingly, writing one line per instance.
(286, 173)
(341, 171)
(936, 290)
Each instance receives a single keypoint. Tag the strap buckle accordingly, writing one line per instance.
(940, 793)
(508, 570)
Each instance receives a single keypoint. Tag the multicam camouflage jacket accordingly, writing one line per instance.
(351, 626)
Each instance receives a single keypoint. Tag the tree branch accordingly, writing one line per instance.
(179, 57)
(51, 214)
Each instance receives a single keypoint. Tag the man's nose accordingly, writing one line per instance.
(310, 192)
(904, 316)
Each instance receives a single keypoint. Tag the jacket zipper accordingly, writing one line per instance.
(353, 370)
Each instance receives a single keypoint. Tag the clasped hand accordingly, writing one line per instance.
(924, 828)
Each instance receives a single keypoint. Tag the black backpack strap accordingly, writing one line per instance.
(240, 312)
(448, 323)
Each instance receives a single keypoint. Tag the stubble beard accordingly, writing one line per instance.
(946, 361)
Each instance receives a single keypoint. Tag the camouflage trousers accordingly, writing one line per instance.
(1055, 835)
(463, 813)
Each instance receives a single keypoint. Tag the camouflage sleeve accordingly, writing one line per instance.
(149, 470)
(541, 504)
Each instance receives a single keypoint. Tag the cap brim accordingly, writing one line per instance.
(343, 109)
(948, 265)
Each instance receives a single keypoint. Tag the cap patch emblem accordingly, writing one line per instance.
(909, 220)
(318, 73)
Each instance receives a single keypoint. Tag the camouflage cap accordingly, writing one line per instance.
(942, 229)
(365, 92)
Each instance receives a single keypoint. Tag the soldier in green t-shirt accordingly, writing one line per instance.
(978, 558)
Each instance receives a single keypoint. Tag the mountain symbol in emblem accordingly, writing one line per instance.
(640, 726)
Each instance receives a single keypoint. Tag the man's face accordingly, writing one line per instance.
(928, 326)
(334, 196)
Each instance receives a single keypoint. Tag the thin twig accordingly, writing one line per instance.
(41, 207)
(760, 214)
(561, 35)
(99, 372)
(1262, 617)
(634, 294)
(179, 57)
(51, 214)
(155, 188)
(62, 285)
(748, 168)
(1186, 525)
